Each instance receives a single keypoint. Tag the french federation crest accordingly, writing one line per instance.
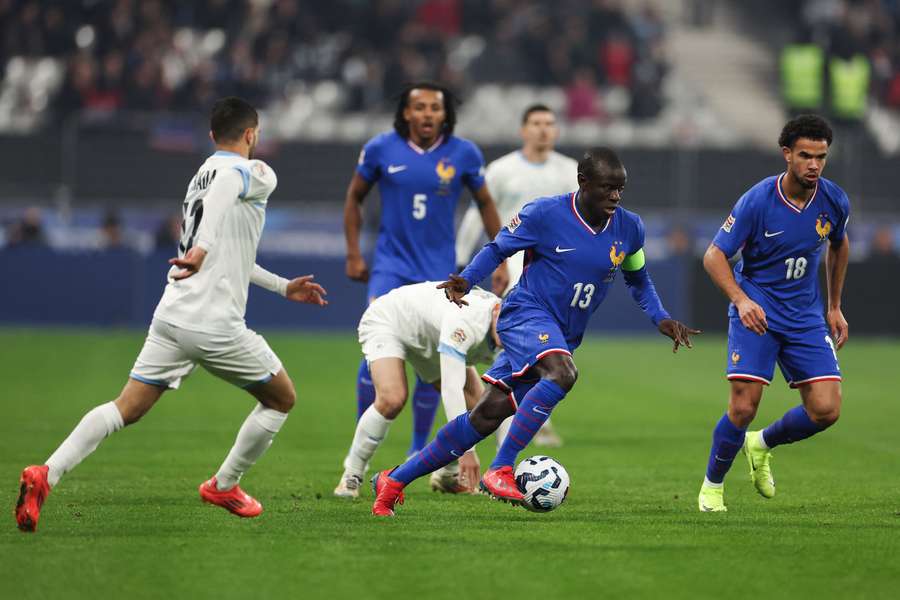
(735, 357)
(544, 338)
(445, 172)
(823, 227)
(616, 257)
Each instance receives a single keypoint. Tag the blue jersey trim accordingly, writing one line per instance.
(451, 351)
(266, 379)
(226, 153)
(156, 382)
(245, 176)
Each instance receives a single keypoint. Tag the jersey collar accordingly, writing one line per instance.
(783, 197)
(419, 150)
(585, 223)
(226, 153)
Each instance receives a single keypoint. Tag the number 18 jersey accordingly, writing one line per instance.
(781, 248)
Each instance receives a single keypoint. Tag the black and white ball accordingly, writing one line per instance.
(544, 483)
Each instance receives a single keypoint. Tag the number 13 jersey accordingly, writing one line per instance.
(224, 213)
(781, 248)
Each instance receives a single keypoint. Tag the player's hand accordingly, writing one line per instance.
(189, 264)
(304, 289)
(357, 269)
(679, 332)
(752, 315)
(500, 279)
(840, 330)
(455, 288)
(469, 471)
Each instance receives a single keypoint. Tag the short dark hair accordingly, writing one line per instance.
(812, 127)
(230, 117)
(450, 104)
(533, 109)
(593, 158)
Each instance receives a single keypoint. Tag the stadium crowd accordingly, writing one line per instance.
(164, 54)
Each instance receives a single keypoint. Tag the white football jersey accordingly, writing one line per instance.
(427, 323)
(514, 182)
(224, 213)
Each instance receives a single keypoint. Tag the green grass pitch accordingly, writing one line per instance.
(129, 523)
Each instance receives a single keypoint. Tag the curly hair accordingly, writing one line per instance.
(812, 127)
(450, 104)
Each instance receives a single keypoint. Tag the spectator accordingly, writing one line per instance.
(28, 231)
(111, 231)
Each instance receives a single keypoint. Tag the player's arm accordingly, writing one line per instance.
(491, 219)
(223, 193)
(716, 265)
(836, 259)
(300, 289)
(356, 193)
(521, 233)
(453, 382)
(634, 270)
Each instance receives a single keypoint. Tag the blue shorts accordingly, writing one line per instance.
(381, 283)
(528, 334)
(804, 355)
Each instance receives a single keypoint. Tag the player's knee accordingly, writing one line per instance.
(565, 375)
(743, 405)
(390, 402)
(825, 417)
(288, 398)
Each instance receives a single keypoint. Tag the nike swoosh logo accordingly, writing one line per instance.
(395, 169)
(767, 234)
(561, 250)
(455, 453)
(539, 411)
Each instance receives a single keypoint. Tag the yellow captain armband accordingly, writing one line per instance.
(634, 262)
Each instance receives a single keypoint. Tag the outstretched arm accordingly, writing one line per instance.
(300, 289)
(835, 272)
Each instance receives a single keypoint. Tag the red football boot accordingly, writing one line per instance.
(33, 490)
(388, 493)
(500, 484)
(235, 500)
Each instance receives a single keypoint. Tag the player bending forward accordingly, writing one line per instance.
(414, 323)
(776, 309)
(200, 320)
(575, 245)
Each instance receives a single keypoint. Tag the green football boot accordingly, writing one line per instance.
(759, 457)
(711, 499)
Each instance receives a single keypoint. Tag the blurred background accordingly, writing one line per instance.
(103, 120)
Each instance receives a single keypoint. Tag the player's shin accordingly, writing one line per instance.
(426, 400)
(253, 439)
(365, 390)
(371, 430)
(794, 426)
(533, 411)
(451, 441)
(97, 424)
(726, 443)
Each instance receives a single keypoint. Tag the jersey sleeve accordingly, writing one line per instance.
(258, 180)
(369, 164)
(837, 234)
(463, 328)
(737, 228)
(473, 168)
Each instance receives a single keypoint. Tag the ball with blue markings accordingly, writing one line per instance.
(544, 483)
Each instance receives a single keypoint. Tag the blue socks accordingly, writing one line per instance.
(794, 426)
(534, 410)
(727, 442)
(365, 391)
(451, 441)
(426, 400)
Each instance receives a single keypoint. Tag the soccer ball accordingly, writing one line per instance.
(544, 483)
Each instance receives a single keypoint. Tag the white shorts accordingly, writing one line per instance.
(171, 353)
(379, 339)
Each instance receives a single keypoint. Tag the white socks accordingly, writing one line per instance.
(96, 425)
(503, 430)
(370, 432)
(253, 439)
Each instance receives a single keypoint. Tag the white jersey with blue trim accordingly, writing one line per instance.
(224, 213)
(429, 325)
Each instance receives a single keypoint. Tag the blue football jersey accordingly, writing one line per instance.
(781, 248)
(569, 267)
(419, 193)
